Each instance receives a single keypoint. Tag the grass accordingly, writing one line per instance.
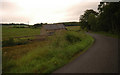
(108, 34)
(8, 32)
(45, 56)
(73, 28)
(84, 50)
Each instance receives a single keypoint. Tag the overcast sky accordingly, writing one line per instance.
(45, 11)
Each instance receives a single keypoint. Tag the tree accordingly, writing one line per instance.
(84, 18)
(92, 21)
(109, 15)
(38, 25)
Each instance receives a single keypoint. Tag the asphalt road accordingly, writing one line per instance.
(102, 57)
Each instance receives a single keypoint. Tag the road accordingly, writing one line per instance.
(102, 57)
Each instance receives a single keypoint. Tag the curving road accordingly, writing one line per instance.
(102, 57)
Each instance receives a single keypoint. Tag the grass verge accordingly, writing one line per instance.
(108, 34)
(57, 52)
(79, 53)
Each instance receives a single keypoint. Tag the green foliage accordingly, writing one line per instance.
(109, 17)
(48, 58)
(70, 23)
(106, 20)
(92, 21)
(84, 19)
(37, 25)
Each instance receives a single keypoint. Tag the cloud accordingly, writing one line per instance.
(15, 19)
(11, 12)
(78, 9)
(9, 7)
(44, 10)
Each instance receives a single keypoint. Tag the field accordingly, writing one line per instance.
(47, 55)
(73, 28)
(8, 32)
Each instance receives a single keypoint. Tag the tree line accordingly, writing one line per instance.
(12, 24)
(106, 19)
(69, 23)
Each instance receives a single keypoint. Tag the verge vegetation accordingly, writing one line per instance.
(47, 56)
(115, 35)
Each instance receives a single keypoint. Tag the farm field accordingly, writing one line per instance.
(73, 28)
(8, 32)
(44, 56)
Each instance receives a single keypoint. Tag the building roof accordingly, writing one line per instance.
(53, 26)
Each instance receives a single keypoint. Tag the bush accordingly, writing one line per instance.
(64, 39)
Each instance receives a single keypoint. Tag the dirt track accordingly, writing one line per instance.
(102, 57)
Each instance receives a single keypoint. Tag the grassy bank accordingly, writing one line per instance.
(108, 34)
(48, 56)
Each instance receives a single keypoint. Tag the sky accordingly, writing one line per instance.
(44, 11)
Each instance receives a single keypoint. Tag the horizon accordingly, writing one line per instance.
(34, 23)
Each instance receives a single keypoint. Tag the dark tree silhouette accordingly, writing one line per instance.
(107, 19)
